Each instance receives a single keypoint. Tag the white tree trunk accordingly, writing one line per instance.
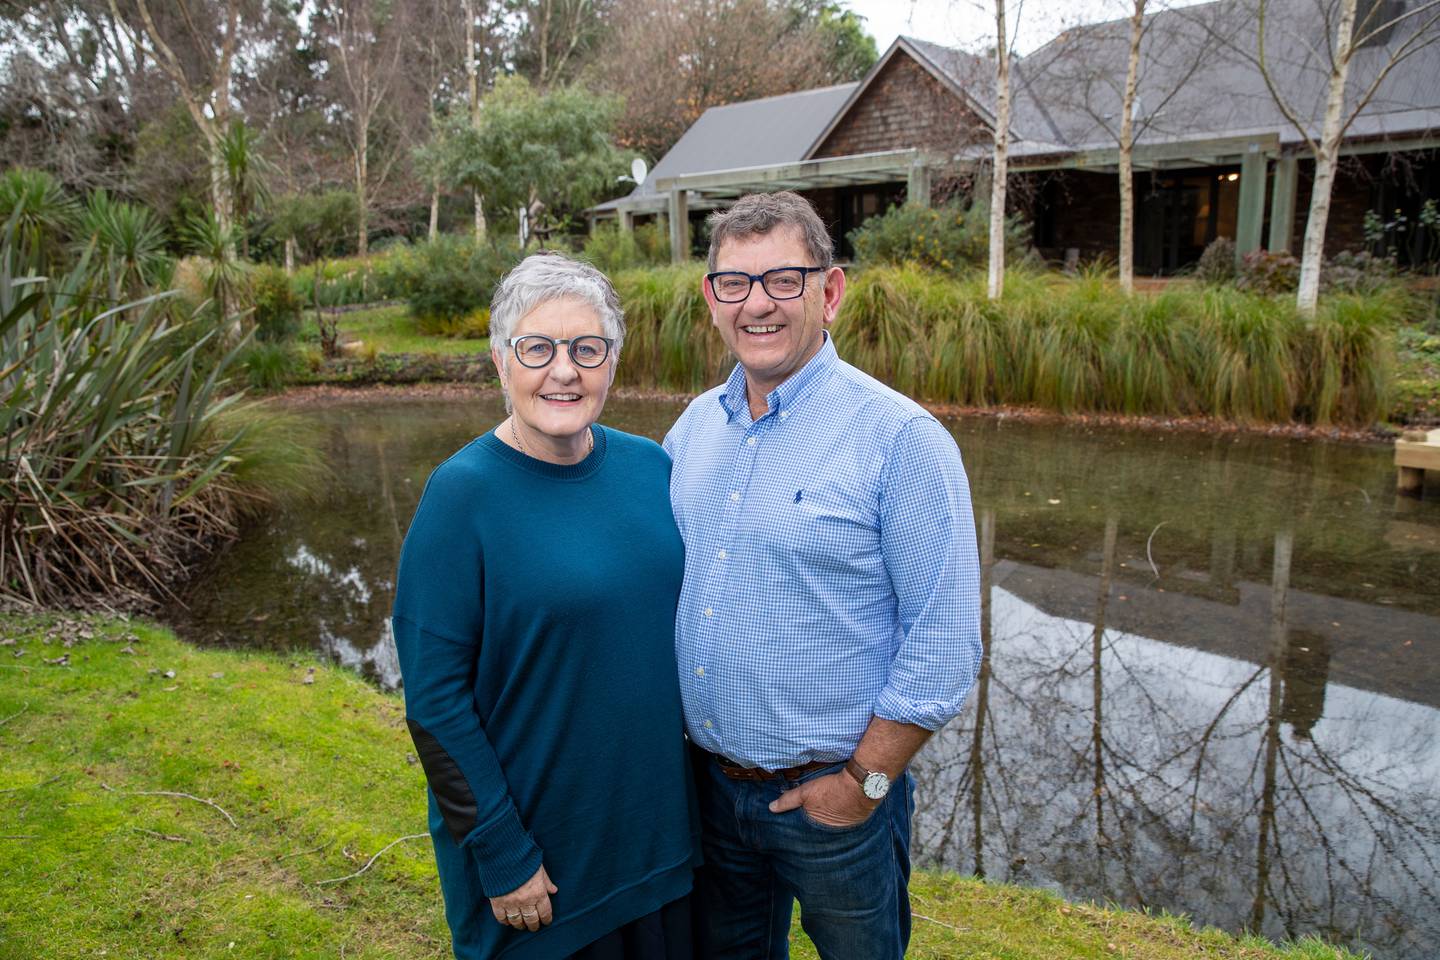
(472, 76)
(434, 210)
(362, 194)
(1127, 149)
(996, 283)
(1313, 252)
(289, 255)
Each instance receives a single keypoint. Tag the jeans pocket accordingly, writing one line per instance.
(830, 828)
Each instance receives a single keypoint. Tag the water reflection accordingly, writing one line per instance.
(1114, 766)
(1208, 683)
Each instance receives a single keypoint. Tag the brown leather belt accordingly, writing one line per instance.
(734, 771)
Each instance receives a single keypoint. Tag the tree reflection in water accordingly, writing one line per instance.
(1112, 766)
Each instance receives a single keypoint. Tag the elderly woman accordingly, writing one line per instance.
(534, 617)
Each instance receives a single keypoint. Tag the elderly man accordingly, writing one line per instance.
(828, 622)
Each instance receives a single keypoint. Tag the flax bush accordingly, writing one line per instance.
(116, 463)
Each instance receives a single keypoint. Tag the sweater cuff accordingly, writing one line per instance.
(505, 854)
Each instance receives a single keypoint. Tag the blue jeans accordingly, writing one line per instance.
(852, 882)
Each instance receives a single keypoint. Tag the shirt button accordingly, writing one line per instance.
(708, 724)
(784, 414)
(722, 554)
(709, 612)
(749, 441)
(734, 498)
(699, 671)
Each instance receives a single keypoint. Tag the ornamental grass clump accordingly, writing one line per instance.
(1075, 344)
(115, 465)
(669, 342)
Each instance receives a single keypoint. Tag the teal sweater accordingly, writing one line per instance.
(534, 618)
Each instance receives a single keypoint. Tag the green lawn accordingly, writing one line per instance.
(104, 724)
(391, 329)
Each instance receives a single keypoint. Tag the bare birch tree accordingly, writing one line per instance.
(1000, 165)
(364, 42)
(1162, 52)
(1127, 149)
(1345, 33)
(472, 80)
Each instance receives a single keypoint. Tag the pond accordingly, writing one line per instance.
(1212, 684)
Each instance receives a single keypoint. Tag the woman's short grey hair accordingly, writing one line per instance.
(543, 277)
(760, 213)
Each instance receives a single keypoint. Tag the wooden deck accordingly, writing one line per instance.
(1415, 452)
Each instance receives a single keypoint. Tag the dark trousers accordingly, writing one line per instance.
(852, 883)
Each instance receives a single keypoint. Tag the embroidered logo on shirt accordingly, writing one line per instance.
(799, 495)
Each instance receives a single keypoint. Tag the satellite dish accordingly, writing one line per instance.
(638, 170)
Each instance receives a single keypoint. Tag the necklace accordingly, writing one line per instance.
(515, 435)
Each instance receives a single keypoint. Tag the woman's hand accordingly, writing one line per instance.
(528, 906)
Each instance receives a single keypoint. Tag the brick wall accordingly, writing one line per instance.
(904, 107)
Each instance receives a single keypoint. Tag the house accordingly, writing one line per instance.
(1215, 155)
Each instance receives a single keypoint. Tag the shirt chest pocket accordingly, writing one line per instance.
(826, 527)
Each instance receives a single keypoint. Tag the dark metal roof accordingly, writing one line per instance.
(1200, 94)
(752, 133)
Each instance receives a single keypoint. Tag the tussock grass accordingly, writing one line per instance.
(318, 777)
(1074, 344)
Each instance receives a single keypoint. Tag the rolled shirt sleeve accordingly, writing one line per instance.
(437, 623)
(927, 539)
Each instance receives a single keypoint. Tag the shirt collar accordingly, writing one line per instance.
(733, 397)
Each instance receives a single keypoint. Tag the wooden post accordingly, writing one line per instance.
(679, 226)
(1415, 452)
(1251, 220)
(627, 220)
(917, 185)
(1282, 203)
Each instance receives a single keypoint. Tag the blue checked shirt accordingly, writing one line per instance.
(830, 566)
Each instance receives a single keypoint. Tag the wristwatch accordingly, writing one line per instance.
(873, 782)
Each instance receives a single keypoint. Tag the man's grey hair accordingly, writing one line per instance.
(759, 213)
(542, 277)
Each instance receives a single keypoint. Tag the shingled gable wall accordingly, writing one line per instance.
(904, 106)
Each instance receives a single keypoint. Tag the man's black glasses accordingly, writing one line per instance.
(782, 283)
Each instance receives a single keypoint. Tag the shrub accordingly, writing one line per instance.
(1266, 273)
(952, 238)
(277, 307)
(44, 214)
(1362, 273)
(451, 278)
(269, 366)
(1217, 263)
(612, 249)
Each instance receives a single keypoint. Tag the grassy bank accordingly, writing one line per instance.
(390, 329)
(1064, 343)
(159, 800)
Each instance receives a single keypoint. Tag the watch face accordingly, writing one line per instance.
(876, 786)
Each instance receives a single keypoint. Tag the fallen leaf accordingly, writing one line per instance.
(216, 675)
(169, 674)
(7, 641)
(61, 661)
(129, 650)
(171, 689)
